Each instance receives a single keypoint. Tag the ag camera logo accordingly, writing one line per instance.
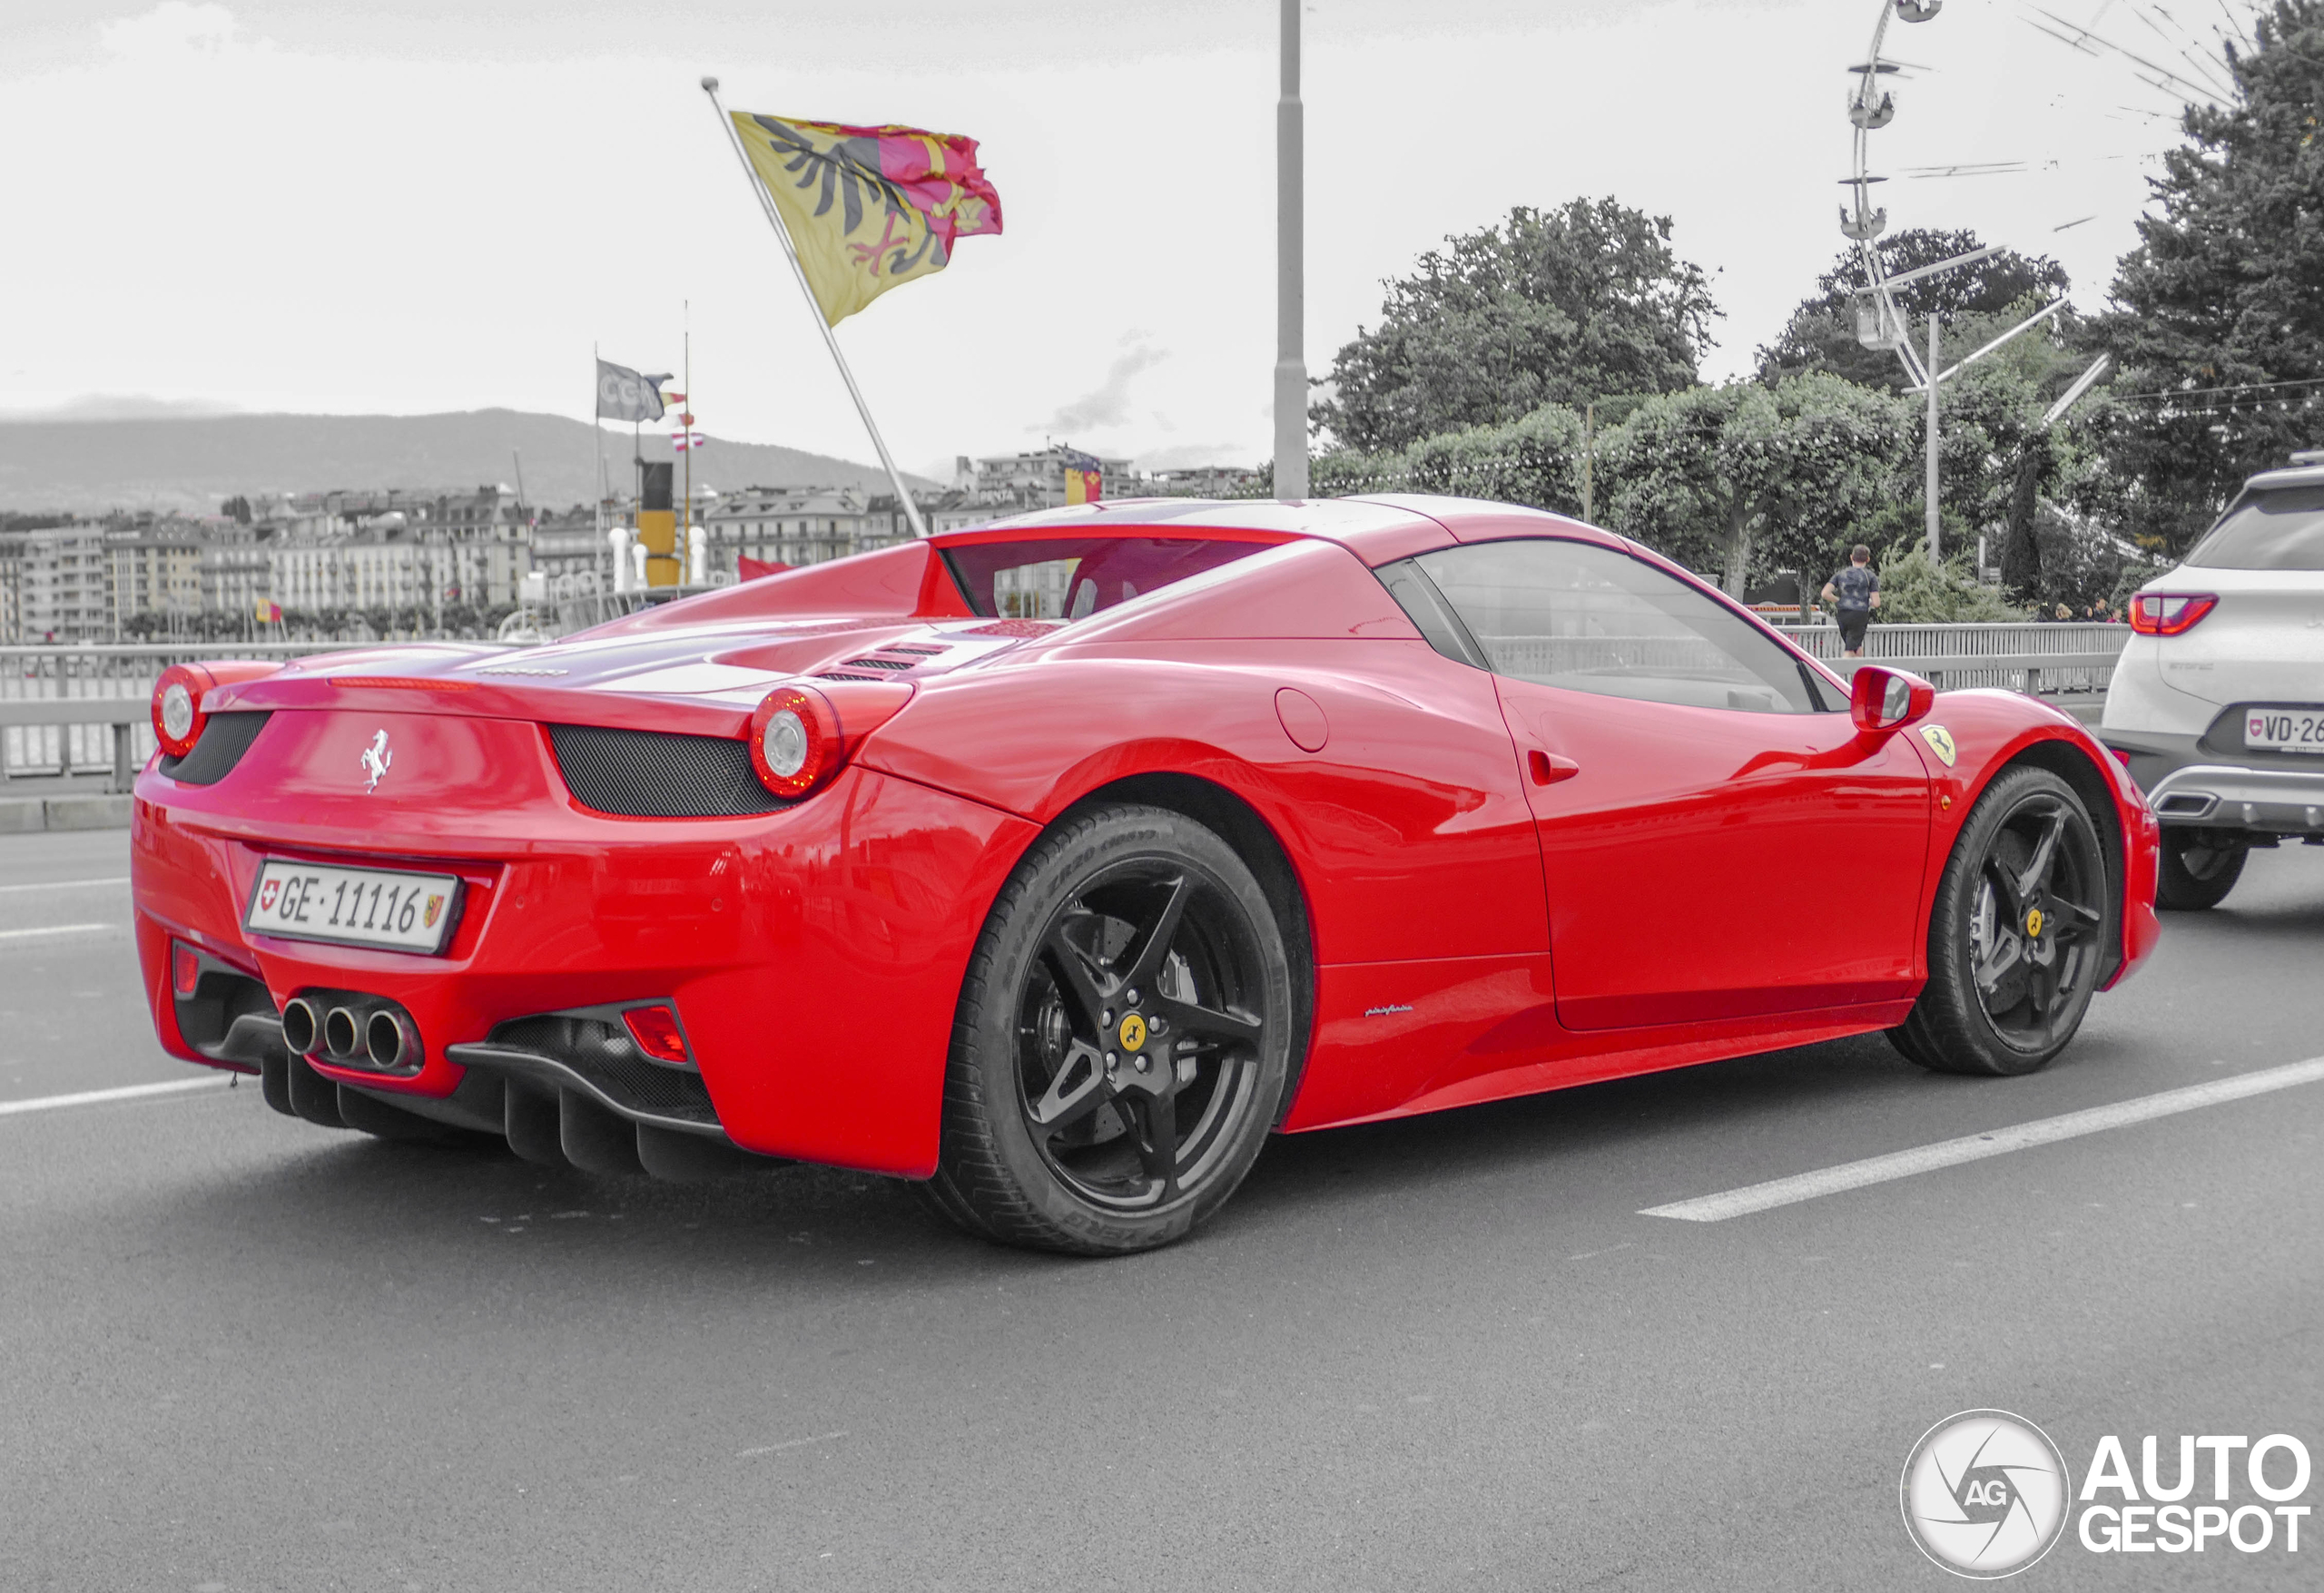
(1985, 1494)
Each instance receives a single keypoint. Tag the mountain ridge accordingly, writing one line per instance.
(188, 463)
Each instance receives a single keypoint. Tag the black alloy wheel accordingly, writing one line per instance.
(2021, 929)
(2196, 870)
(1122, 1041)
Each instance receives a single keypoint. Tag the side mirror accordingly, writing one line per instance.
(1884, 699)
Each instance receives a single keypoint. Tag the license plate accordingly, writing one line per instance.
(2284, 729)
(353, 907)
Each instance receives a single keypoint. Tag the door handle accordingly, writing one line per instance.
(1548, 768)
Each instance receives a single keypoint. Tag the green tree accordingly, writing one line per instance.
(1748, 479)
(2225, 290)
(1559, 306)
(1916, 590)
(1821, 333)
(1535, 460)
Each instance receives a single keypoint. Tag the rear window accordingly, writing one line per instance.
(1071, 578)
(2278, 530)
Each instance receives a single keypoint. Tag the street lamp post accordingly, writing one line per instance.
(1290, 257)
(1934, 555)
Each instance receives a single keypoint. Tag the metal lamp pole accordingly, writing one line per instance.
(1934, 555)
(1290, 258)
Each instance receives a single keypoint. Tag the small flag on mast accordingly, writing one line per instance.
(269, 613)
(682, 440)
(623, 395)
(867, 207)
(1085, 478)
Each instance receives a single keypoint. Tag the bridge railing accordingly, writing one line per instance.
(77, 718)
(2041, 659)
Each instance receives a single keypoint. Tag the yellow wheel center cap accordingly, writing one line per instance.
(2034, 922)
(1133, 1032)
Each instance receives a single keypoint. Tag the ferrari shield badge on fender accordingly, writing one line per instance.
(378, 760)
(1940, 742)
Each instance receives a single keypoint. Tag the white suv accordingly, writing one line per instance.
(2217, 706)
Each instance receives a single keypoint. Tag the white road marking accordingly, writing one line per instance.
(58, 929)
(794, 1444)
(65, 884)
(91, 1097)
(1760, 1197)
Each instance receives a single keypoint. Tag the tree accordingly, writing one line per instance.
(1748, 479)
(1562, 306)
(1821, 334)
(2224, 294)
(1535, 460)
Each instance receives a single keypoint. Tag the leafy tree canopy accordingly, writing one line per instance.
(2225, 290)
(1821, 333)
(1561, 306)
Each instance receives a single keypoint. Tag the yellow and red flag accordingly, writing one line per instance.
(867, 207)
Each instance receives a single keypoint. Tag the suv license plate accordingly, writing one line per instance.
(2284, 729)
(353, 907)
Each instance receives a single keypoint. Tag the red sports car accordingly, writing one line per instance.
(1055, 863)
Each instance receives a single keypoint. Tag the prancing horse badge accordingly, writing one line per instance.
(1940, 742)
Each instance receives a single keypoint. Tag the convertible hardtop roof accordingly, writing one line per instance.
(908, 579)
(1376, 529)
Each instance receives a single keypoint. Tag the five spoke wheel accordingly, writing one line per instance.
(1123, 1040)
(2020, 933)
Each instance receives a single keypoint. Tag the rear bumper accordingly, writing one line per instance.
(2188, 782)
(814, 955)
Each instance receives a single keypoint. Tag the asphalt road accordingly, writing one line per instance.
(237, 1352)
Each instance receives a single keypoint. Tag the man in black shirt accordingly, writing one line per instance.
(1854, 592)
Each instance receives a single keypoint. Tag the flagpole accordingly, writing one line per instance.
(791, 253)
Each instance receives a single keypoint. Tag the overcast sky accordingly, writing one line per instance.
(412, 205)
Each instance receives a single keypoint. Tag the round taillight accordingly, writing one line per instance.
(177, 711)
(177, 708)
(794, 740)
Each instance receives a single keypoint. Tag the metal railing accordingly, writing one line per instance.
(77, 718)
(2022, 657)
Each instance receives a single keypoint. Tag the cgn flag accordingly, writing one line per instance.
(867, 207)
(623, 395)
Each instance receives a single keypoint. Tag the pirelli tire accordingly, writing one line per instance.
(1122, 1039)
(2019, 933)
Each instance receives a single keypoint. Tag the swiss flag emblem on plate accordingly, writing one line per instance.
(267, 893)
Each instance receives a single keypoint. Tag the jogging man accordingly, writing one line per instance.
(1855, 593)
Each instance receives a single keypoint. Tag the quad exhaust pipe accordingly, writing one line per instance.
(352, 1030)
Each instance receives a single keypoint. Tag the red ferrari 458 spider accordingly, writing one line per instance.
(1055, 863)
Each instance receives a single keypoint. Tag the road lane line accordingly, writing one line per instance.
(1760, 1197)
(58, 929)
(65, 884)
(91, 1097)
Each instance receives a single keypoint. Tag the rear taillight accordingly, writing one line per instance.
(795, 741)
(655, 1030)
(179, 710)
(2168, 614)
(185, 968)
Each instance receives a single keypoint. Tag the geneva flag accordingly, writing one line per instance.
(867, 207)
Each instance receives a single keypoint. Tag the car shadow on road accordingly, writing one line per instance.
(813, 1227)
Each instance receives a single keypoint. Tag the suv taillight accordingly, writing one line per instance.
(2168, 614)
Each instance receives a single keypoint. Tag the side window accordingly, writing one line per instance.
(1587, 618)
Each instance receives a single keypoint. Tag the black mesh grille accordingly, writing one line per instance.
(879, 664)
(655, 774)
(604, 1055)
(223, 741)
